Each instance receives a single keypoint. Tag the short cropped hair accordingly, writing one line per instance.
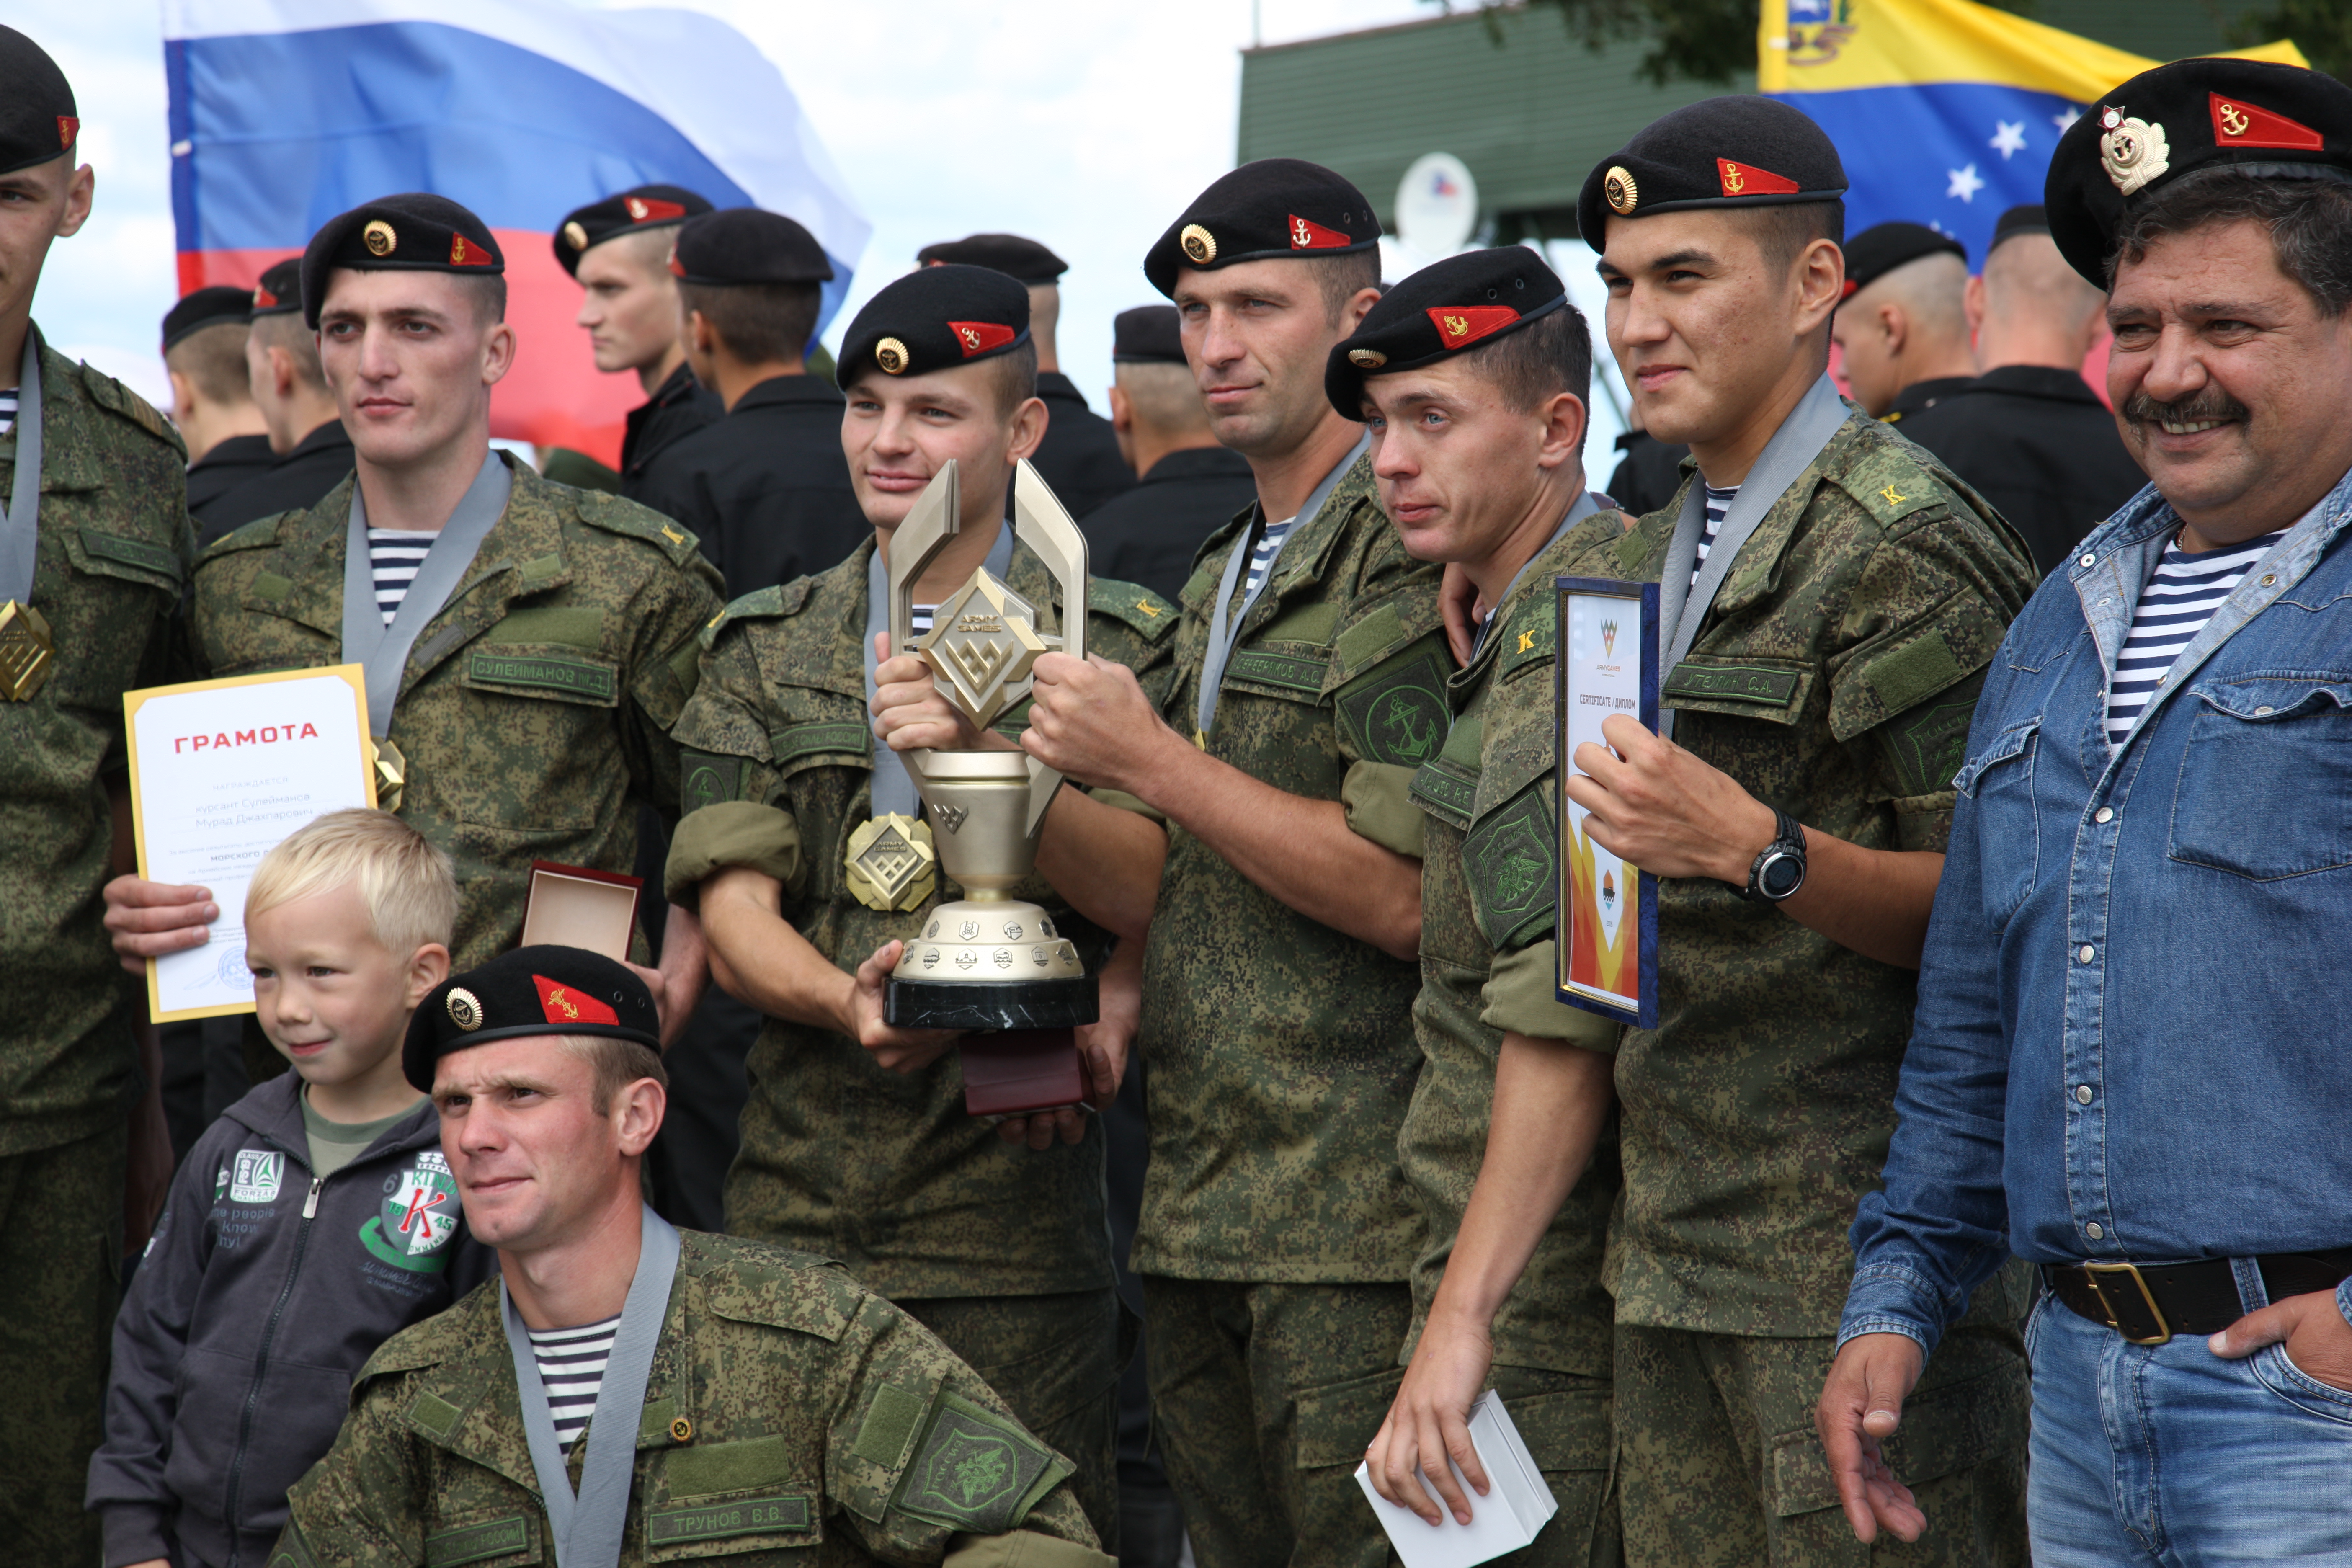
(407, 885)
(1163, 395)
(489, 297)
(617, 1063)
(1343, 276)
(1551, 355)
(757, 323)
(285, 330)
(1783, 231)
(214, 359)
(2310, 223)
(1016, 377)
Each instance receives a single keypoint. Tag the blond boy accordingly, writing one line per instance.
(314, 1220)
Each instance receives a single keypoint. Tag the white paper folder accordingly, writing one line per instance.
(1518, 1503)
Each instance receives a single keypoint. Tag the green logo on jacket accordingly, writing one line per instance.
(419, 1218)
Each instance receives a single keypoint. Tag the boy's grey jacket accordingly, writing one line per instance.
(260, 1297)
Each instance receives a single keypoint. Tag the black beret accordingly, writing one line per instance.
(1441, 310)
(1148, 334)
(279, 290)
(531, 990)
(1743, 151)
(415, 232)
(2034, 219)
(630, 212)
(217, 306)
(38, 120)
(935, 317)
(1007, 253)
(747, 245)
(1275, 207)
(2273, 121)
(1882, 247)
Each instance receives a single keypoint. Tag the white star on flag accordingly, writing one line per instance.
(2007, 138)
(2063, 120)
(1966, 182)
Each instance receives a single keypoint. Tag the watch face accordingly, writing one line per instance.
(1783, 875)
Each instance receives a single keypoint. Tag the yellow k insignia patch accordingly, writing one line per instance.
(1527, 642)
(1893, 498)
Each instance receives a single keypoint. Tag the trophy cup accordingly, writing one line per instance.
(989, 963)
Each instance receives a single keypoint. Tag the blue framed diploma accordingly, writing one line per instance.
(1608, 930)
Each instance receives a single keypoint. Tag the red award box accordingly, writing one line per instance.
(1010, 1072)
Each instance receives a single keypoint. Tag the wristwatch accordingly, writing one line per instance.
(1779, 871)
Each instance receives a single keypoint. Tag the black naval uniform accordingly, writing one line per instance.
(318, 463)
(229, 463)
(1149, 533)
(1079, 456)
(765, 488)
(678, 408)
(2039, 444)
(1919, 397)
(1650, 473)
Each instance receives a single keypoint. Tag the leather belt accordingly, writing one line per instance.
(2148, 1303)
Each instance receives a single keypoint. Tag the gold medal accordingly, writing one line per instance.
(391, 773)
(27, 655)
(889, 864)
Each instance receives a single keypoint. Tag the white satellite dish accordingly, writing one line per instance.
(1436, 204)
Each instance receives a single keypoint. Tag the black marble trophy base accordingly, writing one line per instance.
(1009, 1004)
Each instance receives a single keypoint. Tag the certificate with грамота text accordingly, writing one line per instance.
(220, 772)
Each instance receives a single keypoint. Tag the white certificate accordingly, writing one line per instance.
(220, 772)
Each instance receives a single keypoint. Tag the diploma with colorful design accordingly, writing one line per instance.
(220, 772)
(1608, 932)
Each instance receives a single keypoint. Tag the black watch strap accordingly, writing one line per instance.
(1788, 844)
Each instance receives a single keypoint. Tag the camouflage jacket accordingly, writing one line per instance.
(1281, 1051)
(1834, 678)
(113, 553)
(790, 1416)
(884, 1171)
(1487, 966)
(533, 705)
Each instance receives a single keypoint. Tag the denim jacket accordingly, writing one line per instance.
(2129, 1044)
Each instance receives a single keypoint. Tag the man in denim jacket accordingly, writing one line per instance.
(2126, 1066)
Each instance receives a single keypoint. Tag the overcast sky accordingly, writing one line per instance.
(1085, 123)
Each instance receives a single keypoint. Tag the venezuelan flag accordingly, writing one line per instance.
(1945, 112)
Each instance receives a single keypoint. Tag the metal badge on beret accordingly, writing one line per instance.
(574, 236)
(1620, 189)
(891, 355)
(1199, 244)
(2133, 152)
(465, 1008)
(379, 238)
(889, 865)
(27, 653)
(1368, 359)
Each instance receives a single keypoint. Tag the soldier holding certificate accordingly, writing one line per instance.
(94, 546)
(812, 860)
(526, 645)
(715, 1398)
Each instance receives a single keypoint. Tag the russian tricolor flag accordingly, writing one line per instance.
(284, 113)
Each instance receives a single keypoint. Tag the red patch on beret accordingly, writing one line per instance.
(2237, 123)
(1747, 180)
(1305, 234)
(978, 337)
(1460, 324)
(566, 1005)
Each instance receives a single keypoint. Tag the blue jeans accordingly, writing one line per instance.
(2168, 1455)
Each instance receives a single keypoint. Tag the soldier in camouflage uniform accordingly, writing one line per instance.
(1821, 672)
(855, 1142)
(786, 1413)
(109, 548)
(532, 708)
(1476, 415)
(1278, 1233)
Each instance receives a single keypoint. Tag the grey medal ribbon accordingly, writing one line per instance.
(381, 650)
(587, 1528)
(1682, 603)
(1582, 507)
(1221, 641)
(893, 787)
(20, 524)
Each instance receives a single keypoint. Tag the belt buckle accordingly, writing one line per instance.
(2092, 1271)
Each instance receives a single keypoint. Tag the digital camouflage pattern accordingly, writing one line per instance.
(1834, 678)
(1720, 1467)
(1494, 773)
(112, 553)
(886, 1171)
(790, 1415)
(535, 705)
(1264, 1397)
(61, 1261)
(1281, 1051)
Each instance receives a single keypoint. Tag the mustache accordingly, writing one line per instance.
(2210, 403)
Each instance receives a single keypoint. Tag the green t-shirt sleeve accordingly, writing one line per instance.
(1521, 997)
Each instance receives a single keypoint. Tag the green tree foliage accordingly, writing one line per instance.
(2321, 29)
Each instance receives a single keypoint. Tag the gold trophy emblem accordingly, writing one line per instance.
(990, 962)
